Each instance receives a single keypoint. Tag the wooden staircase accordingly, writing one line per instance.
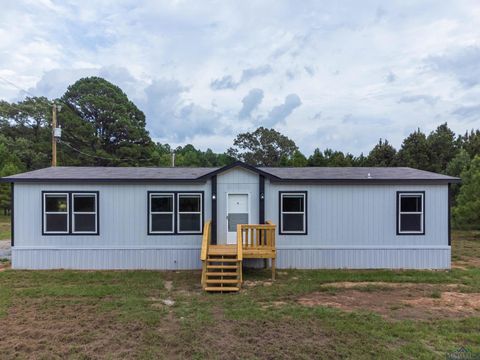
(223, 270)
(222, 264)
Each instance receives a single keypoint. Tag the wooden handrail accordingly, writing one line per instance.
(239, 242)
(207, 232)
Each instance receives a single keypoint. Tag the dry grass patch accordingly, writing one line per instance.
(398, 301)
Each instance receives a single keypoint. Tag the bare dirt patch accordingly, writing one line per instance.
(399, 301)
(466, 262)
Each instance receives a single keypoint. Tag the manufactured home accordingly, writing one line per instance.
(219, 219)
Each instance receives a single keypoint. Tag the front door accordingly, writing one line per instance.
(238, 208)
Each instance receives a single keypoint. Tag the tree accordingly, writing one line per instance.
(263, 147)
(317, 158)
(103, 122)
(442, 148)
(297, 160)
(470, 142)
(459, 163)
(414, 151)
(383, 154)
(466, 213)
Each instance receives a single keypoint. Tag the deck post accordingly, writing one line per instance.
(273, 269)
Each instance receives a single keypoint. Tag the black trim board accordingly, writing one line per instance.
(280, 232)
(241, 165)
(175, 213)
(261, 199)
(449, 215)
(398, 210)
(12, 215)
(214, 210)
(70, 212)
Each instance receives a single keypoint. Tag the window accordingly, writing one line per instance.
(411, 213)
(293, 215)
(70, 213)
(84, 218)
(189, 213)
(161, 213)
(55, 213)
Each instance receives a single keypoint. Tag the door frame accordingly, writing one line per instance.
(249, 203)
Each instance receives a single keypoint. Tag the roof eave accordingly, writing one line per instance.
(370, 181)
(105, 180)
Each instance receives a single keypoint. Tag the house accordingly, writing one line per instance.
(186, 218)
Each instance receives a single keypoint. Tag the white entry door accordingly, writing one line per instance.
(238, 212)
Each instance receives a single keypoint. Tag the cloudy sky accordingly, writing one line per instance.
(338, 74)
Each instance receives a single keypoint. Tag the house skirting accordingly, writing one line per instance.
(188, 258)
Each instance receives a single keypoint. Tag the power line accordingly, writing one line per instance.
(101, 157)
(18, 87)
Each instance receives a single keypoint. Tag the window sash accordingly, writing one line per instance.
(65, 213)
(421, 213)
(304, 217)
(74, 195)
(172, 213)
(200, 198)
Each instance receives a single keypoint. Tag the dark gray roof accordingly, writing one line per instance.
(355, 173)
(112, 173)
(190, 174)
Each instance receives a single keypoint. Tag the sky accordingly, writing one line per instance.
(328, 74)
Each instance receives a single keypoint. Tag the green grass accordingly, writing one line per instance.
(4, 227)
(121, 314)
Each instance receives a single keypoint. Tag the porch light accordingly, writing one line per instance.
(214, 196)
(262, 196)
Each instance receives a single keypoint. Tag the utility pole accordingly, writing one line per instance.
(54, 141)
(56, 133)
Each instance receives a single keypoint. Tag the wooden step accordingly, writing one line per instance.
(222, 267)
(220, 289)
(221, 260)
(230, 273)
(221, 281)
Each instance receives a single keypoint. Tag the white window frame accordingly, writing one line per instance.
(45, 212)
(421, 213)
(74, 194)
(151, 213)
(200, 212)
(304, 212)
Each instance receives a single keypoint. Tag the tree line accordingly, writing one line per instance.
(102, 127)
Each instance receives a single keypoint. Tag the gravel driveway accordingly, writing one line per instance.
(5, 250)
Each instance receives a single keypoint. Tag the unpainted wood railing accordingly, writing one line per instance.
(206, 240)
(256, 236)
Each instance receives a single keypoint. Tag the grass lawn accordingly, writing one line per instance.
(304, 314)
(4, 227)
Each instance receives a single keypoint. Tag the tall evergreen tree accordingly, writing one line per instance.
(383, 154)
(414, 151)
(442, 148)
(466, 213)
(107, 124)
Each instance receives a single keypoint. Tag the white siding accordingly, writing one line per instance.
(360, 215)
(123, 217)
(349, 226)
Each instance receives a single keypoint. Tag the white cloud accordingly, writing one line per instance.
(189, 65)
